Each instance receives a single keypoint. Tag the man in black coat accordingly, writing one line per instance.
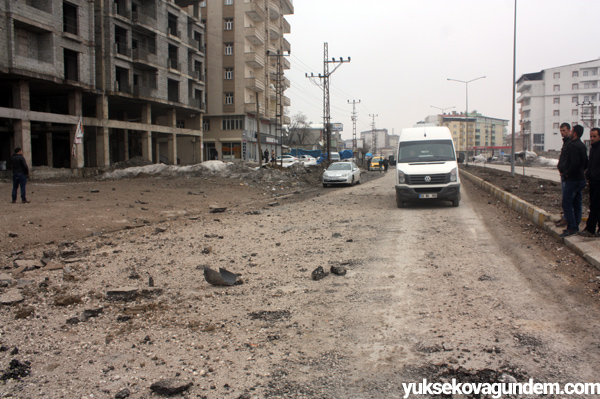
(573, 178)
(565, 132)
(592, 174)
(20, 173)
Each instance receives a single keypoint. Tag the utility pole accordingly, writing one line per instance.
(278, 97)
(325, 87)
(373, 138)
(354, 118)
(587, 105)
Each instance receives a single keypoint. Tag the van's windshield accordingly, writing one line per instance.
(426, 151)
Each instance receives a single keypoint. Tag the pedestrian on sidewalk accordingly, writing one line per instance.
(386, 164)
(573, 177)
(565, 132)
(20, 173)
(592, 174)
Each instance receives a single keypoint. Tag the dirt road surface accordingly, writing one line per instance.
(431, 291)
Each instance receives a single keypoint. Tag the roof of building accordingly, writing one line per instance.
(531, 76)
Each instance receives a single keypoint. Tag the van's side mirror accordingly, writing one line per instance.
(461, 157)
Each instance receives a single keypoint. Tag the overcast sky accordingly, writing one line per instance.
(403, 52)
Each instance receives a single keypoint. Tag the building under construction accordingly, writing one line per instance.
(90, 83)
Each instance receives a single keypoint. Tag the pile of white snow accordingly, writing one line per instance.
(211, 167)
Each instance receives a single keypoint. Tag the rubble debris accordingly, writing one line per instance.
(67, 300)
(223, 277)
(12, 235)
(88, 313)
(217, 209)
(16, 370)
(338, 270)
(122, 394)
(319, 273)
(122, 294)
(170, 387)
(24, 312)
(11, 297)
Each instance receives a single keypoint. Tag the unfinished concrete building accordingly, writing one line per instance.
(246, 59)
(131, 70)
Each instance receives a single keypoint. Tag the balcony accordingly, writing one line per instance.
(274, 10)
(255, 13)
(274, 34)
(122, 49)
(286, 26)
(194, 102)
(524, 96)
(143, 19)
(143, 57)
(287, 46)
(254, 60)
(122, 87)
(286, 63)
(255, 84)
(196, 75)
(254, 35)
(286, 101)
(143, 91)
(250, 108)
(286, 83)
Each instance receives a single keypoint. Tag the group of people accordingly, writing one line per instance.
(577, 170)
(266, 156)
(384, 164)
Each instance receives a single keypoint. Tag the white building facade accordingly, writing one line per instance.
(569, 93)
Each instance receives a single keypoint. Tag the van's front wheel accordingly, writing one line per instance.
(455, 203)
(399, 202)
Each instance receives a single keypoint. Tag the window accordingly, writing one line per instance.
(575, 86)
(206, 124)
(202, 3)
(593, 98)
(173, 90)
(228, 98)
(556, 100)
(228, 73)
(556, 75)
(228, 2)
(228, 24)
(228, 49)
(172, 25)
(556, 125)
(173, 52)
(233, 123)
(574, 99)
(538, 138)
(575, 74)
(585, 73)
(556, 112)
(71, 65)
(69, 18)
(586, 98)
(556, 87)
(574, 112)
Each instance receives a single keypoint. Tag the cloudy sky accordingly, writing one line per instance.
(403, 51)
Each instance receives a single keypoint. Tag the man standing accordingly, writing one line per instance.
(592, 174)
(565, 132)
(20, 173)
(572, 174)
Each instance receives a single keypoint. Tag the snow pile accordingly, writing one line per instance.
(211, 167)
(480, 158)
(546, 162)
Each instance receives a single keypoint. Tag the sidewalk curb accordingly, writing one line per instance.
(584, 247)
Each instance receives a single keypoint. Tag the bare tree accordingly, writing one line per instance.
(299, 130)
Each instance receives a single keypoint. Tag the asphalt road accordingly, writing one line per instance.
(543, 173)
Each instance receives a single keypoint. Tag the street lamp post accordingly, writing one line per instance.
(443, 109)
(466, 82)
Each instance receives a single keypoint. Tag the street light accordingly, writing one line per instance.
(443, 109)
(466, 82)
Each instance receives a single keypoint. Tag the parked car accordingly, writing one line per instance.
(335, 157)
(307, 160)
(288, 160)
(341, 173)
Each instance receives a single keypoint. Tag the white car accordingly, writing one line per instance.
(288, 160)
(307, 160)
(341, 173)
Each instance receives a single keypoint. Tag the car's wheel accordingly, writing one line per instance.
(352, 182)
(399, 202)
(358, 182)
(325, 185)
(455, 203)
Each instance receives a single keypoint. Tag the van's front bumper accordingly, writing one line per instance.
(448, 193)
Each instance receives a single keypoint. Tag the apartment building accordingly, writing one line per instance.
(128, 73)
(245, 63)
(569, 93)
(485, 134)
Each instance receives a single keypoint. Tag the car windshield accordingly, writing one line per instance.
(340, 166)
(426, 151)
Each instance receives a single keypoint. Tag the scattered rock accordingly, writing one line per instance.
(122, 294)
(67, 300)
(87, 313)
(13, 235)
(28, 265)
(24, 312)
(11, 297)
(122, 394)
(338, 270)
(319, 273)
(216, 209)
(16, 370)
(170, 387)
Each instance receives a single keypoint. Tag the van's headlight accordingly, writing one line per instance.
(401, 177)
(454, 175)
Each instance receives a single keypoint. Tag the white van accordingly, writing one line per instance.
(426, 167)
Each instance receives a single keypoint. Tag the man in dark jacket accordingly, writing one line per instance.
(565, 132)
(573, 178)
(592, 174)
(20, 173)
